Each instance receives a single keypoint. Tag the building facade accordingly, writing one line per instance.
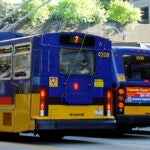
(144, 5)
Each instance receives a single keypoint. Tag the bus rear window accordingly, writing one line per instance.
(136, 67)
(76, 62)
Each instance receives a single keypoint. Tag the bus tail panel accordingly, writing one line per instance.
(137, 110)
(130, 121)
(132, 106)
(66, 125)
(77, 112)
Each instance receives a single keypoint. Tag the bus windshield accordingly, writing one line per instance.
(71, 61)
(136, 67)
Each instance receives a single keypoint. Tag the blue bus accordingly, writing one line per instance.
(10, 35)
(131, 86)
(56, 84)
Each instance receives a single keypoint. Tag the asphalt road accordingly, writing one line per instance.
(109, 142)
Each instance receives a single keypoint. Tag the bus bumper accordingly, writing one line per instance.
(134, 120)
(75, 124)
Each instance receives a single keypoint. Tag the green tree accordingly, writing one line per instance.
(80, 11)
(77, 11)
(6, 8)
(122, 13)
(38, 17)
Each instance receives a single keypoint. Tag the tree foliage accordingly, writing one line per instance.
(89, 11)
(78, 11)
(6, 8)
(40, 16)
(123, 12)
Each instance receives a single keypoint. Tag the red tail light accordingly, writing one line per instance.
(108, 106)
(75, 86)
(121, 105)
(120, 98)
(146, 81)
(42, 101)
(42, 105)
(109, 102)
(42, 93)
(109, 94)
(120, 91)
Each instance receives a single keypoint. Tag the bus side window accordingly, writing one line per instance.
(5, 67)
(22, 62)
(5, 62)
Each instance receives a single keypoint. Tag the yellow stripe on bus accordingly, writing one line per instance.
(74, 112)
(136, 110)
